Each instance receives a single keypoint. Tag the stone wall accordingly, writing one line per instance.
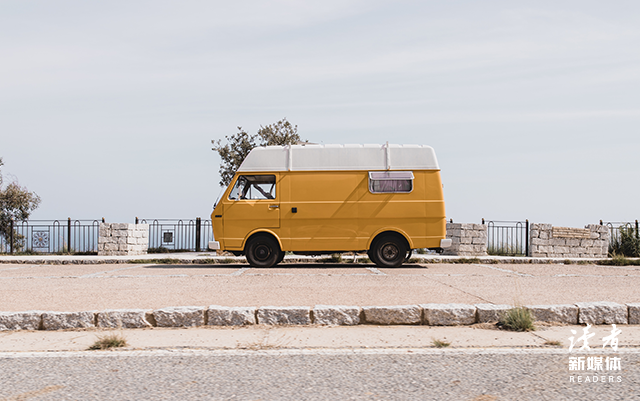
(565, 242)
(467, 239)
(123, 239)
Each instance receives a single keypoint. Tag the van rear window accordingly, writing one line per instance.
(254, 187)
(382, 182)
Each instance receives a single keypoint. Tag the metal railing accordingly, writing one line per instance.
(178, 234)
(614, 227)
(51, 236)
(508, 238)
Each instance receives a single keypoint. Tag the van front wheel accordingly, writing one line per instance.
(262, 251)
(389, 251)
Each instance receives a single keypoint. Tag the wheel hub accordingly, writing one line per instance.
(389, 251)
(262, 252)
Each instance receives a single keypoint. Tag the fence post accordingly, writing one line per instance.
(11, 237)
(69, 235)
(198, 229)
(137, 220)
(637, 234)
(526, 236)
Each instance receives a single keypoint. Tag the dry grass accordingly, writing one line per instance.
(517, 319)
(440, 343)
(109, 341)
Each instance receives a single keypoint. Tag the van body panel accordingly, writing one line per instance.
(325, 205)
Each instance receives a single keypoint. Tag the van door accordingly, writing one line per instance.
(254, 202)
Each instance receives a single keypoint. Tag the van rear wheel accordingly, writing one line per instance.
(389, 251)
(262, 251)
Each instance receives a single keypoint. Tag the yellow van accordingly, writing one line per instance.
(315, 199)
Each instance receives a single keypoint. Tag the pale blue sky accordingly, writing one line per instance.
(108, 109)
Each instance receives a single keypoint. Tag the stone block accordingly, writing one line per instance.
(634, 313)
(338, 315)
(545, 235)
(586, 243)
(573, 242)
(558, 241)
(279, 315)
(30, 320)
(454, 234)
(545, 249)
(230, 316)
(67, 320)
(182, 316)
(602, 313)
(479, 241)
(538, 241)
(402, 314)
(489, 313)
(466, 240)
(123, 318)
(466, 248)
(448, 314)
(534, 233)
(555, 313)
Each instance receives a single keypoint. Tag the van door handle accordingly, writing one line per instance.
(274, 206)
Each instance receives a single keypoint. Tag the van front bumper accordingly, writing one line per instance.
(214, 245)
(445, 243)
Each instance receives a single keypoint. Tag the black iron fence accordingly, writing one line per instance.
(178, 234)
(51, 236)
(614, 227)
(508, 238)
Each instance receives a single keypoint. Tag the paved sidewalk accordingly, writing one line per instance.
(341, 337)
(71, 283)
(74, 288)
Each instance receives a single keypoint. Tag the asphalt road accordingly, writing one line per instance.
(149, 286)
(481, 375)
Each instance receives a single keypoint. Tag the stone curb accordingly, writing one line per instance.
(289, 259)
(448, 314)
(334, 315)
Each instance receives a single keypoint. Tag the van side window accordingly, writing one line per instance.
(383, 182)
(254, 187)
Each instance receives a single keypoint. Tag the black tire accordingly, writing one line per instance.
(280, 258)
(262, 251)
(389, 251)
(372, 256)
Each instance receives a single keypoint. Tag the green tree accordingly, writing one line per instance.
(16, 203)
(238, 146)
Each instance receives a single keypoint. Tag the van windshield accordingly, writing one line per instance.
(254, 187)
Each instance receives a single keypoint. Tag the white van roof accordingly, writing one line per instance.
(311, 157)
